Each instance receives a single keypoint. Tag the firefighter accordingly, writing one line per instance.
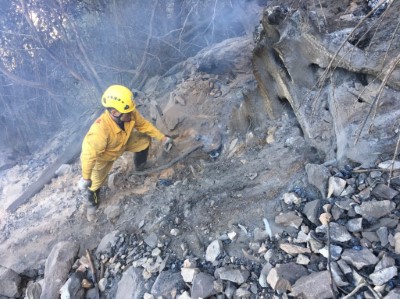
(120, 128)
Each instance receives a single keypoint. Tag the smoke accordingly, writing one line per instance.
(56, 65)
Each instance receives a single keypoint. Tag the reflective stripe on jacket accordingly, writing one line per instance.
(106, 140)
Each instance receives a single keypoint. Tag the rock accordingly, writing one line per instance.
(383, 235)
(166, 282)
(203, 286)
(313, 286)
(112, 212)
(214, 250)
(384, 192)
(375, 209)
(370, 236)
(260, 235)
(132, 285)
(102, 284)
(325, 218)
(359, 258)
(385, 262)
(151, 240)
(335, 252)
(339, 233)
(311, 210)
(107, 242)
(382, 276)
(291, 198)
(189, 273)
(393, 294)
(293, 249)
(262, 280)
(289, 219)
(33, 290)
(302, 259)
(318, 176)
(390, 164)
(72, 288)
(355, 225)
(242, 293)
(57, 267)
(235, 275)
(9, 283)
(336, 186)
(338, 275)
(184, 295)
(397, 243)
(283, 276)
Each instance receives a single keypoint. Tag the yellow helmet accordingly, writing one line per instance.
(118, 97)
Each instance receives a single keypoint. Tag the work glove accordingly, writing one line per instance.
(83, 184)
(167, 143)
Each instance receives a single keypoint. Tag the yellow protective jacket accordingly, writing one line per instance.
(106, 141)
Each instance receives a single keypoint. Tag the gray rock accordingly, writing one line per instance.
(132, 285)
(235, 275)
(383, 235)
(57, 267)
(293, 249)
(9, 283)
(386, 221)
(359, 258)
(283, 276)
(107, 242)
(311, 210)
(166, 282)
(338, 275)
(382, 191)
(188, 274)
(318, 176)
(370, 236)
(203, 286)
(302, 259)
(306, 286)
(346, 269)
(339, 233)
(214, 250)
(375, 209)
(336, 251)
(336, 186)
(262, 280)
(382, 276)
(112, 212)
(291, 198)
(355, 225)
(260, 235)
(385, 262)
(151, 240)
(289, 219)
(397, 243)
(393, 294)
(33, 290)
(72, 288)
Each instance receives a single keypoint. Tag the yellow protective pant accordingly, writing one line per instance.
(137, 142)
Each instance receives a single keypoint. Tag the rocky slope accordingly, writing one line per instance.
(278, 199)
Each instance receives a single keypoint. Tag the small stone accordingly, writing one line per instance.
(235, 275)
(291, 198)
(397, 243)
(355, 225)
(383, 234)
(306, 286)
(174, 232)
(335, 252)
(375, 209)
(325, 218)
(384, 275)
(359, 258)
(338, 232)
(262, 280)
(336, 186)
(382, 191)
(302, 259)
(156, 252)
(188, 274)
(289, 219)
(214, 250)
(293, 249)
(232, 235)
(283, 276)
